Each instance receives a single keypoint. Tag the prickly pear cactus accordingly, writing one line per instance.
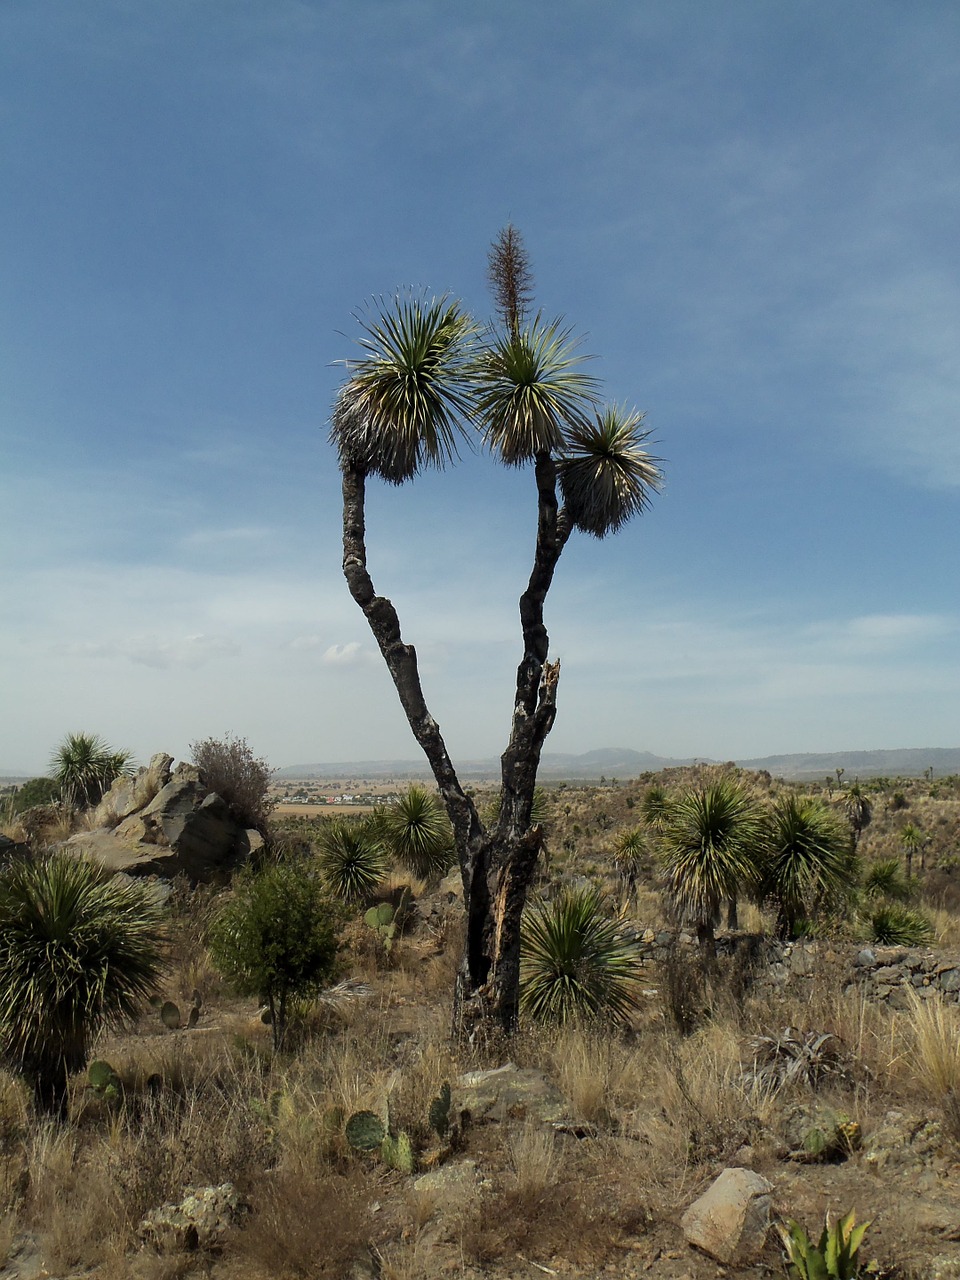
(382, 920)
(170, 1015)
(439, 1114)
(398, 1153)
(103, 1080)
(365, 1131)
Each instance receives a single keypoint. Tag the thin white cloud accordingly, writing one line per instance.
(344, 655)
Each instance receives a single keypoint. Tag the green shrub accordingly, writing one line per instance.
(78, 951)
(574, 961)
(242, 779)
(277, 938)
(352, 858)
(36, 791)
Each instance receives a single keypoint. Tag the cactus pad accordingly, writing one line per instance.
(364, 1131)
(170, 1015)
(439, 1115)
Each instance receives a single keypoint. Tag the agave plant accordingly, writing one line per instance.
(404, 404)
(834, 1257)
(711, 839)
(606, 475)
(575, 962)
(893, 925)
(808, 856)
(85, 767)
(352, 859)
(416, 831)
(799, 1057)
(78, 951)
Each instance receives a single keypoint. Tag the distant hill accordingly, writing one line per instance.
(623, 762)
(611, 762)
(908, 762)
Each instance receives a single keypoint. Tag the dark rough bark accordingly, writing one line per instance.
(497, 866)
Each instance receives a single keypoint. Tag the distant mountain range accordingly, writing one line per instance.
(622, 762)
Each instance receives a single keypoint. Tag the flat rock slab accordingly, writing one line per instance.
(510, 1092)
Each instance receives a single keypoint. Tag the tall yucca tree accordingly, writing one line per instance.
(425, 375)
(711, 840)
(859, 811)
(912, 839)
(79, 951)
(808, 858)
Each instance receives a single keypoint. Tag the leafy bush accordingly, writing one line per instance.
(242, 779)
(78, 951)
(277, 938)
(351, 858)
(36, 791)
(417, 833)
(893, 925)
(84, 767)
(574, 961)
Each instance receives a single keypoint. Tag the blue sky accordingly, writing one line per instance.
(749, 210)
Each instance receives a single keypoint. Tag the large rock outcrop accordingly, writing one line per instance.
(165, 822)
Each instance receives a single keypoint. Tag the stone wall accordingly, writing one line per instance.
(882, 973)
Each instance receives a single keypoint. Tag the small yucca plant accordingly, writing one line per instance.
(887, 879)
(834, 1257)
(575, 962)
(629, 853)
(894, 925)
(85, 767)
(352, 859)
(79, 951)
(416, 831)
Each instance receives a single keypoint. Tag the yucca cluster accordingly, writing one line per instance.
(414, 831)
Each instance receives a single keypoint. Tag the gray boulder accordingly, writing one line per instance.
(181, 827)
(199, 1221)
(127, 795)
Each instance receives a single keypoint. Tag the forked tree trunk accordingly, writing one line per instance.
(497, 866)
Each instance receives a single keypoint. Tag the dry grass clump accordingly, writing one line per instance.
(602, 1075)
(589, 1203)
(307, 1220)
(931, 1056)
(533, 1157)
